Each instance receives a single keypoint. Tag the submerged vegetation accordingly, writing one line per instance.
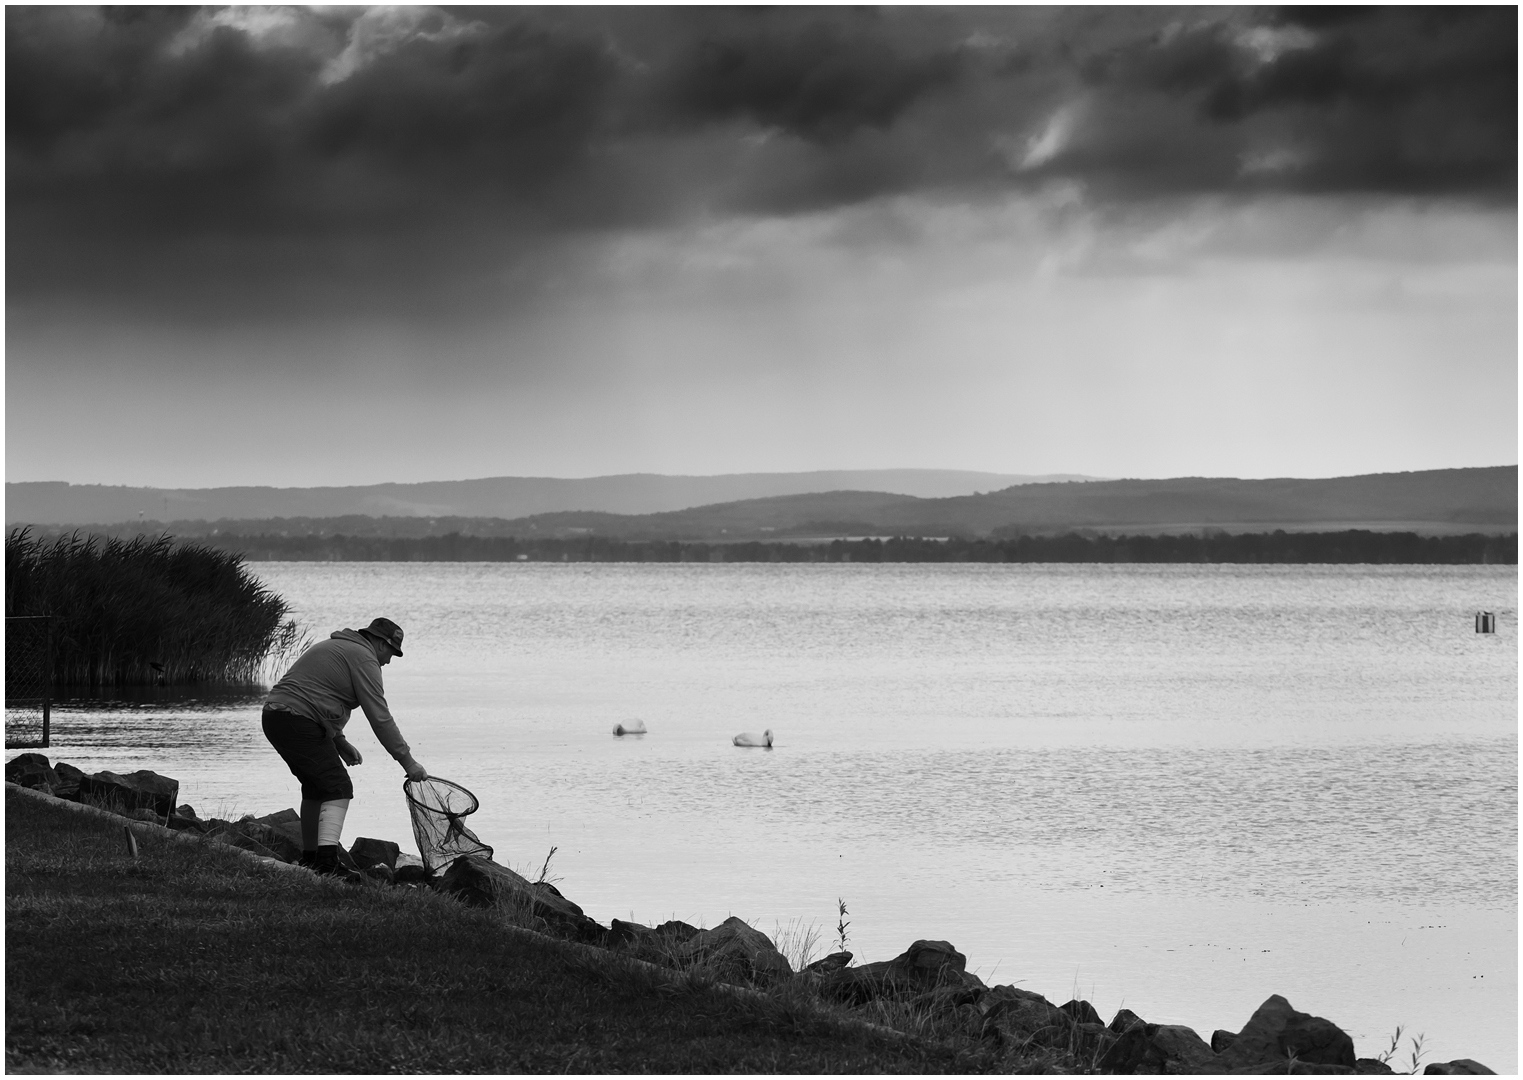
(145, 611)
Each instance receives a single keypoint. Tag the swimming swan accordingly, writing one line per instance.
(748, 738)
(630, 727)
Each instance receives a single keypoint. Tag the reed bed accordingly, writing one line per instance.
(146, 611)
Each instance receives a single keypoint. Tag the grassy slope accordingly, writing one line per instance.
(188, 959)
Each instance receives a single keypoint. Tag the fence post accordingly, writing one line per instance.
(47, 680)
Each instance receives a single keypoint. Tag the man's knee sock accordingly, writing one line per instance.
(330, 822)
(311, 810)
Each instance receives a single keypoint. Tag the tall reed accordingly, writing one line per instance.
(145, 611)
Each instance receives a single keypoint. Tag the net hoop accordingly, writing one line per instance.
(438, 808)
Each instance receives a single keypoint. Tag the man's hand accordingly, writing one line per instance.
(347, 751)
(415, 772)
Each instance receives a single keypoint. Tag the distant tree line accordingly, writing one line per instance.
(1348, 546)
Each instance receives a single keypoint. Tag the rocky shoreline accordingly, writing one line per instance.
(930, 976)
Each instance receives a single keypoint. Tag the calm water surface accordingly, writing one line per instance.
(1177, 789)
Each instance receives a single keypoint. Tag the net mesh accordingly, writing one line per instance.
(439, 809)
(28, 681)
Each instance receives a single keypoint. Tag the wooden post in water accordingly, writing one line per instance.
(1485, 622)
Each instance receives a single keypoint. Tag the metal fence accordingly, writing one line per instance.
(28, 680)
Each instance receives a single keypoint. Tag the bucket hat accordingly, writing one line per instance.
(387, 631)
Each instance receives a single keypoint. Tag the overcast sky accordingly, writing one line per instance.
(339, 246)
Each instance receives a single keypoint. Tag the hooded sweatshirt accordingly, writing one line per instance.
(333, 677)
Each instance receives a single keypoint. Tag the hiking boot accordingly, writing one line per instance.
(325, 862)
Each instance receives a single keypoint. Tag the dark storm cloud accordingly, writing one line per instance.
(216, 150)
(819, 81)
(1367, 100)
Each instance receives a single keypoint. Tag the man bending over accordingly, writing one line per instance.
(304, 717)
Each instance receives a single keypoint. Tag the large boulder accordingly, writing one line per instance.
(282, 841)
(737, 950)
(31, 771)
(1082, 1012)
(827, 964)
(141, 790)
(367, 853)
(1157, 1048)
(478, 880)
(1458, 1067)
(677, 931)
(1011, 1014)
(1277, 1035)
(284, 825)
(657, 945)
(69, 777)
(924, 967)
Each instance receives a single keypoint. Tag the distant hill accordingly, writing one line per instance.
(1435, 502)
(57, 503)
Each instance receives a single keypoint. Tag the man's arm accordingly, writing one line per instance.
(372, 699)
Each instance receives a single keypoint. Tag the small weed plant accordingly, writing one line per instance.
(1415, 1060)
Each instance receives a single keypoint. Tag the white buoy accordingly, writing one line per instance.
(750, 738)
(630, 727)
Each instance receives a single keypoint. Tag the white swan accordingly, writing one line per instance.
(749, 738)
(630, 727)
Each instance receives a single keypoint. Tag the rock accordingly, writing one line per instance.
(180, 823)
(367, 853)
(478, 880)
(922, 967)
(282, 832)
(658, 945)
(141, 789)
(1024, 1016)
(1458, 1067)
(68, 781)
(229, 835)
(144, 814)
(1220, 1040)
(738, 950)
(32, 771)
(380, 872)
(629, 936)
(185, 810)
(678, 931)
(1373, 1067)
(1156, 1048)
(24, 762)
(1124, 1020)
(1276, 1034)
(826, 964)
(1181, 1044)
(251, 835)
(410, 873)
(1082, 1012)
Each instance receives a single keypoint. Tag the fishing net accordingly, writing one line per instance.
(439, 809)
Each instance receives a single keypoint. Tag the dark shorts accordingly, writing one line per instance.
(309, 752)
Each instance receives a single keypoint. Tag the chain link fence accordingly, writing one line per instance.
(28, 680)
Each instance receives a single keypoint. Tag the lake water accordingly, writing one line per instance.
(1177, 789)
